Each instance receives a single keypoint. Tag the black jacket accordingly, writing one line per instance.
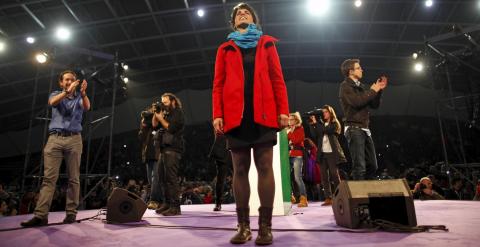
(356, 101)
(317, 131)
(146, 138)
(174, 133)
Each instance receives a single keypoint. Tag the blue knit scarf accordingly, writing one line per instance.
(248, 39)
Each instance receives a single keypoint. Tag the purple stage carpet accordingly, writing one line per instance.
(199, 226)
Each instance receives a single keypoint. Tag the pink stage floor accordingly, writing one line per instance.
(461, 217)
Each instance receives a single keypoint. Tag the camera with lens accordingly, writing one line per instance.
(159, 106)
(422, 186)
(314, 112)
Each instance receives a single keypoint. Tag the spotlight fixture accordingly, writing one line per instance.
(418, 67)
(41, 57)
(200, 12)
(63, 33)
(318, 7)
(30, 40)
(429, 3)
(125, 79)
(415, 56)
(125, 66)
(358, 3)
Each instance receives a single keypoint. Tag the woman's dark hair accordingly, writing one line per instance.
(247, 7)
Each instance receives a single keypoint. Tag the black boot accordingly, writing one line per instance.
(163, 208)
(244, 233)
(172, 211)
(35, 221)
(218, 205)
(264, 226)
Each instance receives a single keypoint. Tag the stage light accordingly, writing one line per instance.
(125, 145)
(415, 55)
(30, 40)
(117, 177)
(358, 3)
(318, 7)
(418, 67)
(200, 12)
(41, 57)
(125, 79)
(125, 66)
(62, 33)
(2, 46)
(429, 3)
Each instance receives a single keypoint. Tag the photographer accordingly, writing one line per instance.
(150, 156)
(330, 153)
(170, 120)
(423, 190)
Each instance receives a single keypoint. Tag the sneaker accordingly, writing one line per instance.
(69, 219)
(172, 211)
(152, 205)
(217, 207)
(35, 221)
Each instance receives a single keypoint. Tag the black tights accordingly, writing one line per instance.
(263, 157)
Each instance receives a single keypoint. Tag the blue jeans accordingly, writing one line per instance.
(297, 163)
(154, 181)
(362, 151)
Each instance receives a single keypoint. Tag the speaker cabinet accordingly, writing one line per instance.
(124, 206)
(357, 201)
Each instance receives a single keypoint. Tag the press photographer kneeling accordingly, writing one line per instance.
(169, 118)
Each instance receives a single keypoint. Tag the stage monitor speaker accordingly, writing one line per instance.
(356, 203)
(124, 206)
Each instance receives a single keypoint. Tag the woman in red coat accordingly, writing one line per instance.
(296, 135)
(250, 105)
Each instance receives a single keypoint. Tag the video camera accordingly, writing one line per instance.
(317, 111)
(148, 115)
(159, 106)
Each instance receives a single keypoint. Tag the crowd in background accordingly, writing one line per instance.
(400, 155)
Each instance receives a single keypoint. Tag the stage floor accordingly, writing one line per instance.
(461, 217)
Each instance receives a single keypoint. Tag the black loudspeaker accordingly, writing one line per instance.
(124, 206)
(356, 203)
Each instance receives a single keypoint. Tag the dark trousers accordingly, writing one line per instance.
(219, 185)
(329, 173)
(156, 193)
(362, 151)
(169, 163)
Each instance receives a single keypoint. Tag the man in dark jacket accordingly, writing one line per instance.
(171, 122)
(356, 99)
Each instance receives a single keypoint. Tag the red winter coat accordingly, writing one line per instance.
(295, 139)
(270, 93)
